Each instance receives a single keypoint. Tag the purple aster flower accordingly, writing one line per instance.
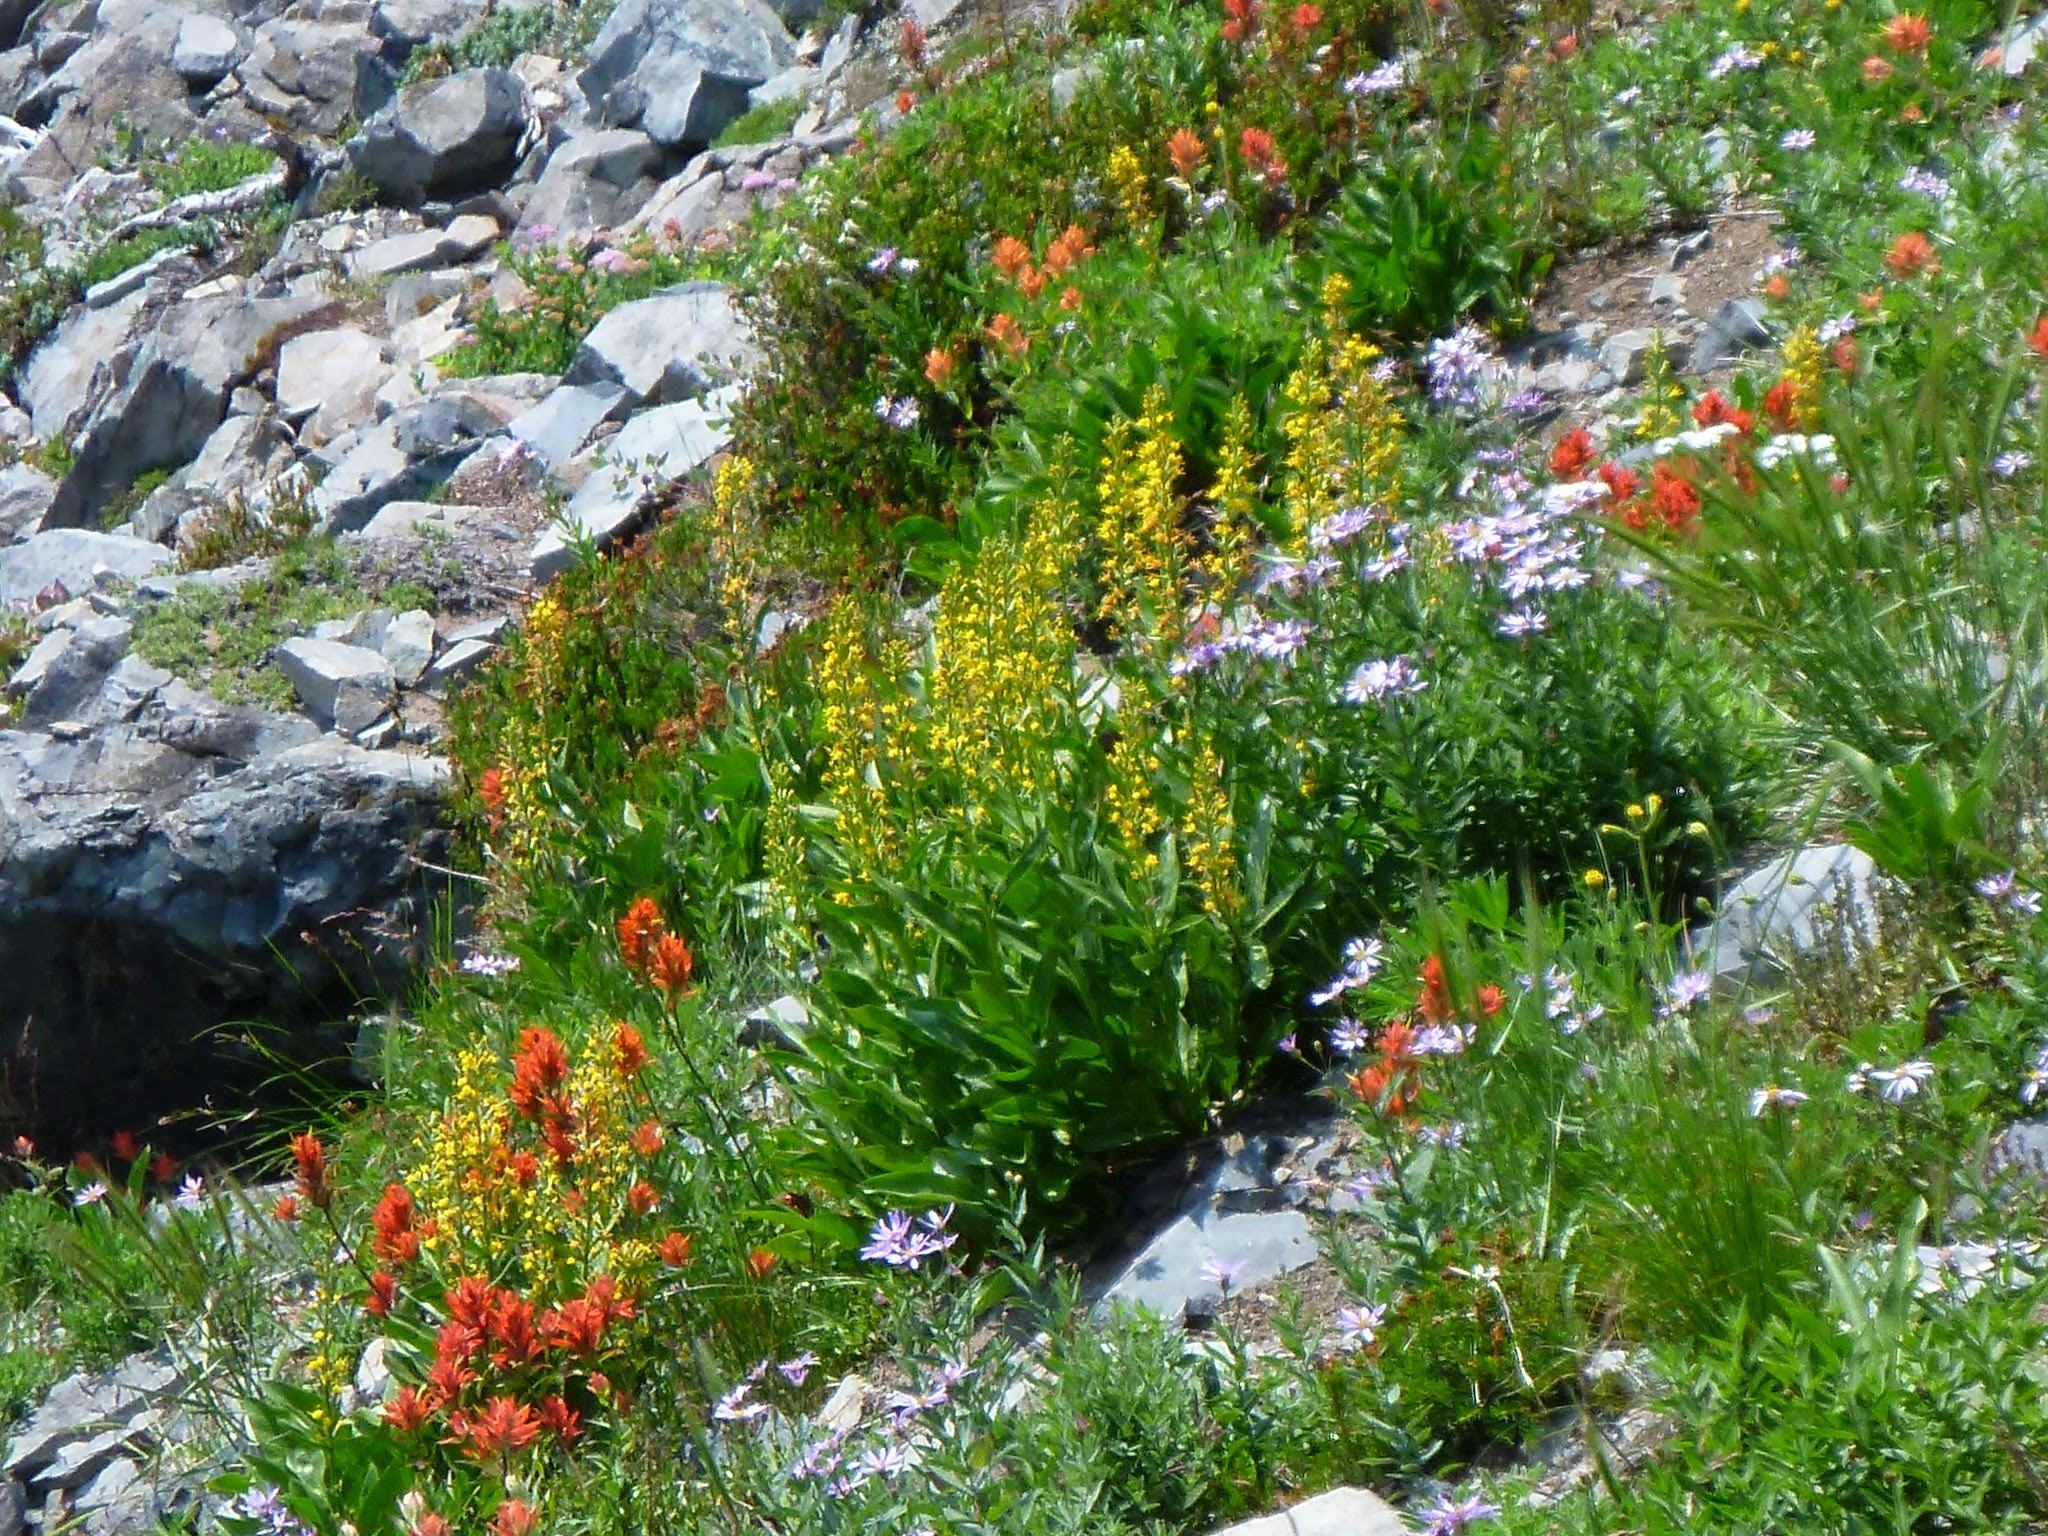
(1221, 1272)
(1376, 82)
(795, 1371)
(1519, 623)
(1450, 1517)
(1737, 56)
(1348, 1037)
(1795, 139)
(1377, 681)
(882, 260)
(887, 1242)
(1900, 1083)
(478, 963)
(2007, 465)
(1687, 989)
(1360, 1325)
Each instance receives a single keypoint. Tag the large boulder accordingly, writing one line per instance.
(594, 181)
(680, 70)
(675, 344)
(328, 380)
(79, 364)
(316, 75)
(444, 137)
(175, 394)
(77, 559)
(207, 50)
(168, 863)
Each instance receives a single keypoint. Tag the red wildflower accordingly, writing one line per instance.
(1011, 256)
(1434, 1001)
(1256, 145)
(1846, 356)
(1491, 998)
(432, 1524)
(1876, 70)
(1307, 17)
(287, 1208)
(647, 1140)
(1240, 19)
(1574, 451)
(1185, 149)
(407, 1411)
(1781, 404)
(675, 1250)
(1910, 253)
(383, 1292)
(1031, 282)
(446, 1379)
(515, 1518)
(504, 1425)
(938, 367)
(904, 102)
(1070, 298)
(561, 1418)
(1777, 287)
(524, 1168)
(469, 1304)
(539, 1066)
(643, 1198)
(163, 1168)
(309, 1170)
(638, 930)
(2037, 338)
(575, 1328)
(759, 1263)
(393, 1236)
(1715, 409)
(1908, 34)
(1673, 497)
(125, 1146)
(511, 1329)
(1004, 333)
(913, 43)
(629, 1051)
(491, 790)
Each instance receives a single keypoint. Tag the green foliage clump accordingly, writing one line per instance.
(221, 640)
(205, 165)
(757, 125)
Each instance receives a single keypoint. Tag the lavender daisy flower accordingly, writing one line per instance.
(478, 963)
(1349, 1037)
(92, 1194)
(1519, 623)
(887, 1241)
(1360, 1325)
(1773, 1097)
(1377, 82)
(882, 260)
(191, 1193)
(1925, 183)
(1450, 1517)
(1377, 681)
(796, 1371)
(1900, 1083)
(1738, 56)
(1796, 139)
(2007, 465)
(1221, 1272)
(898, 411)
(1686, 990)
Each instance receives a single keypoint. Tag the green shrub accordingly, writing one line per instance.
(205, 165)
(757, 125)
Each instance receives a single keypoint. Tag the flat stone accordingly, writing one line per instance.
(345, 686)
(561, 424)
(457, 659)
(1168, 1275)
(78, 559)
(206, 51)
(329, 378)
(408, 644)
(1789, 908)
(1340, 1512)
(679, 342)
(401, 520)
(25, 495)
(1736, 328)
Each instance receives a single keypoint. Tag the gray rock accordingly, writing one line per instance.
(1623, 355)
(649, 452)
(162, 510)
(316, 75)
(408, 23)
(77, 365)
(380, 467)
(25, 495)
(680, 70)
(680, 342)
(1789, 908)
(175, 866)
(2022, 43)
(458, 659)
(684, 206)
(839, 51)
(408, 645)
(1169, 1275)
(1340, 1512)
(444, 137)
(1667, 288)
(328, 379)
(561, 424)
(1737, 328)
(77, 559)
(73, 672)
(594, 181)
(801, 82)
(933, 14)
(207, 51)
(245, 457)
(423, 249)
(175, 394)
(103, 294)
(344, 686)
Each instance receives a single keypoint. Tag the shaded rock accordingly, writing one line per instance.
(424, 249)
(25, 495)
(1737, 327)
(594, 181)
(69, 667)
(1173, 1273)
(649, 452)
(148, 891)
(444, 137)
(207, 51)
(458, 659)
(244, 457)
(677, 343)
(680, 70)
(316, 75)
(175, 395)
(77, 365)
(408, 645)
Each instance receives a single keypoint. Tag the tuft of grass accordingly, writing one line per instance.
(205, 165)
(757, 125)
(221, 641)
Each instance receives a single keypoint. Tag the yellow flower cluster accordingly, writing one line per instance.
(1002, 660)
(1663, 395)
(1128, 801)
(1803, 373)
(1343, 431)
(735, 555)
(1138, 532)
(856, 711)
(1127, 180)
(1233, 527)
(1208, 835)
